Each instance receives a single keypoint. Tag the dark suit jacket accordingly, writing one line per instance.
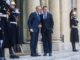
(34, 21)
(47, 24)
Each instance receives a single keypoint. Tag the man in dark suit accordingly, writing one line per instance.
(34, 25)
(47, 27)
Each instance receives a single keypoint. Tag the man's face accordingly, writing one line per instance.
(39, 9)
(45, 9)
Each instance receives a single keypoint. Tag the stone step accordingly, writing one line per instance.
(62, 55)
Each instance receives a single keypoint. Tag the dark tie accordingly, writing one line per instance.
(38, 16)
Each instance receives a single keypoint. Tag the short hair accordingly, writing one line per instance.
(37, 6)
(44, 7)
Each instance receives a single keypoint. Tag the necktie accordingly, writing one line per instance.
(44, 15)
(38, 16)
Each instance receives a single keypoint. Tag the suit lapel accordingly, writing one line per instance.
(37, 16)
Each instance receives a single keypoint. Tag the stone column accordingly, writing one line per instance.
(78, 13)
(74, 3)
(32, 4)
(24, 20)
(44, 3)
(17, 3)
(28, 7)
(54, 6)
(65, 11)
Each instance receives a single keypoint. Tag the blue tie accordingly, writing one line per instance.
(44, 15)
(38, 16)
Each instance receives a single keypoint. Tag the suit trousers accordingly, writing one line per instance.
(47, 41)
(33, 42)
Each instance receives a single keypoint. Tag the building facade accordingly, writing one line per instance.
(60, 10)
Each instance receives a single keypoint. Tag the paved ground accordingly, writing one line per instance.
(64, 55)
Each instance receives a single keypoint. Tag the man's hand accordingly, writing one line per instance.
(31, 30)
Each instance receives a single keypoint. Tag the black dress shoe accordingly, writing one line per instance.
(75, 50)
(34, 55)
(50, 54)
(45, 54)
(14, 56)
(38, 55)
